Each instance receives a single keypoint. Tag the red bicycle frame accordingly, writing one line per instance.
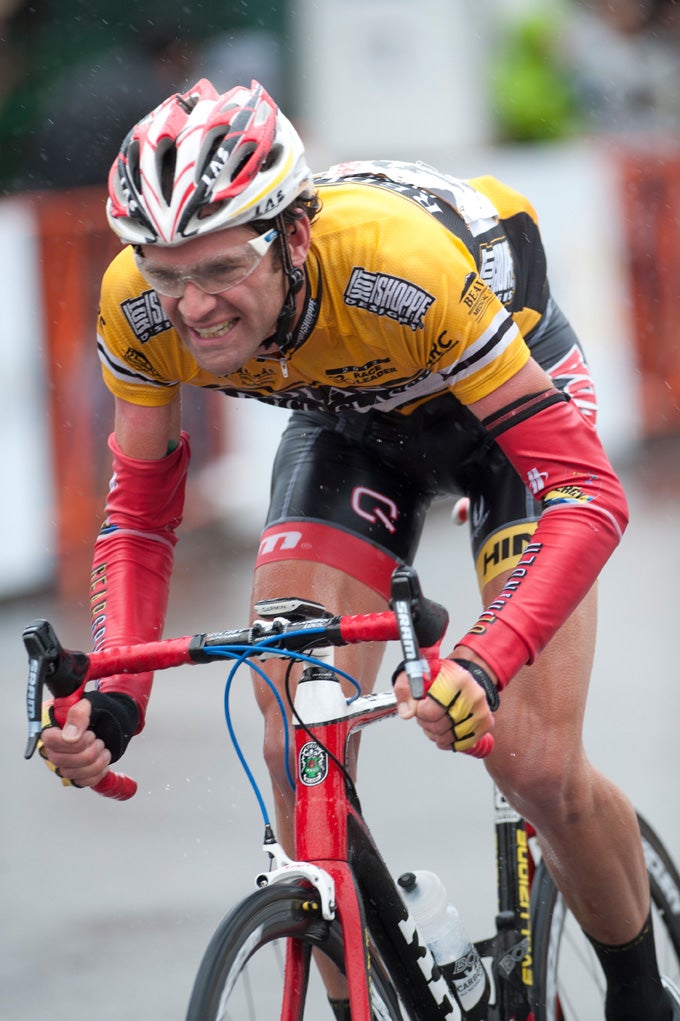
(331, 834)
(323, 812)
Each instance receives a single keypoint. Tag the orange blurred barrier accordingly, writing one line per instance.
(76, 245)
(650, 184)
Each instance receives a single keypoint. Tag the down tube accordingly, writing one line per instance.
(409, 963)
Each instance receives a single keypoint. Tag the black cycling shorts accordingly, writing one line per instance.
(352, 490)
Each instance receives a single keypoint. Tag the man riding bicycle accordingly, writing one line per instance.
(404, 318)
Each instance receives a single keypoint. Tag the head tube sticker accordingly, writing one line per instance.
(312, 764)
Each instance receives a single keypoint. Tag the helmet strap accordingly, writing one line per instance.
(282, 336)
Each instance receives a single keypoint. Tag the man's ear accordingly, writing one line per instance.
(299, 241)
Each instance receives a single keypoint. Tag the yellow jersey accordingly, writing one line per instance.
(417, 284)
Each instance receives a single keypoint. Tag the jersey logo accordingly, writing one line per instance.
(497, 269)
(263, 377)
(366, 373)
(145, 316)
(138, 360)
(442, 346)
(385, 295)
(476, 296)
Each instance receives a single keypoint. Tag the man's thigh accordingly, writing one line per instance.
(335, 504)
(539, 725)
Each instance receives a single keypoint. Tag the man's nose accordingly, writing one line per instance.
(194, 299)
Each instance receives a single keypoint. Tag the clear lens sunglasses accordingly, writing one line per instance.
(232, 268)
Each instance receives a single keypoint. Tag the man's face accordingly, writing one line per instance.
(226, 329)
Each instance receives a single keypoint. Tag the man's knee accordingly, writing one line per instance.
(545, 789)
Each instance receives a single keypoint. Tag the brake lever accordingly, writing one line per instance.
(420, 621)
(423, 622)
(64, 673)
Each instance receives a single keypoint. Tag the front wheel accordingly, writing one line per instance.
(242, 975)
(568, 981)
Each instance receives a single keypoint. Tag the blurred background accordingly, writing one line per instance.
(577, 104)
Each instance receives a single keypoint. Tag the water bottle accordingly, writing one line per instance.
(440, 927)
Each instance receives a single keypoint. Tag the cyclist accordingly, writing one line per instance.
(404, 318)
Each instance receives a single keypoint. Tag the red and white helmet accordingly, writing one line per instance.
(203, 161)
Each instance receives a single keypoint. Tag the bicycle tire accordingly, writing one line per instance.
(244, 961)
(568, 981)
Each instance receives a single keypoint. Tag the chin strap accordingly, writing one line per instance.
(282, 337)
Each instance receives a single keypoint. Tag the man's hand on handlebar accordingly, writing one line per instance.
(74, 752)
(455, 713)
(95, 732)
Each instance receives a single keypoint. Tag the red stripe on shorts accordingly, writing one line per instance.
(325, 544)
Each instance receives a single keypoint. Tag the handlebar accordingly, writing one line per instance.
(419, 624)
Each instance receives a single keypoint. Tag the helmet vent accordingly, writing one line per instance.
(272, 158)
(246, 154)
(133, 165)
(168, 161)
(188, 103)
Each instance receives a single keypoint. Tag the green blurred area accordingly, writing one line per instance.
(40, 42)
(532, 92)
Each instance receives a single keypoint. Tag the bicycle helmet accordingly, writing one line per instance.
(203, 161)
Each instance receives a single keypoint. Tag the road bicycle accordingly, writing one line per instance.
(337, 898)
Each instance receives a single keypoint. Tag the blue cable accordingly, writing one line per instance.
(229, 653)
(242, 654)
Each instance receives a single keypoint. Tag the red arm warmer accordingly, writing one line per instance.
(133, 558)
(558, 454)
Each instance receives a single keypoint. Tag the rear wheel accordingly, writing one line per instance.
(241, 977)
(568, 981)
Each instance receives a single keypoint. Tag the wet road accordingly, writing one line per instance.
(106, 908)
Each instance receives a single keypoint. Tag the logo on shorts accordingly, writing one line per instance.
(479, 516)
(312, 764)
(385, 295)
(374, 507)
(278, 541)
(503, 550)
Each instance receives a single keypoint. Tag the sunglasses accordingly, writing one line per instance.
(230, 270)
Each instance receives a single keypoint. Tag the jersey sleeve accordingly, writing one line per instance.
(491, 346)
(470, 339)
(132, 338)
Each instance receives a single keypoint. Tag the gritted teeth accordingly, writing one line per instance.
(217, 331)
